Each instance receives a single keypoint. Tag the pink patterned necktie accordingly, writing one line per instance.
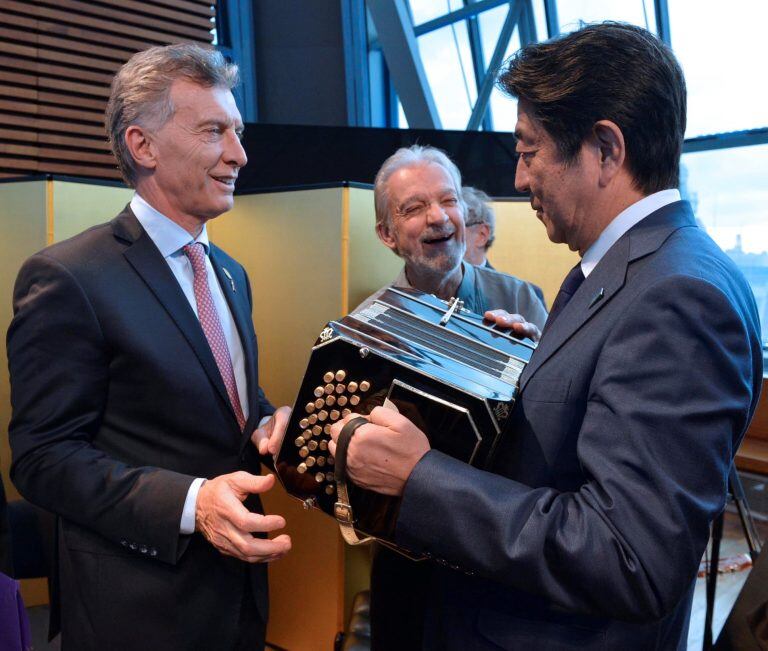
(214, 333)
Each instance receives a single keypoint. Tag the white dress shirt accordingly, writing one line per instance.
(170, 239)
(625, 220)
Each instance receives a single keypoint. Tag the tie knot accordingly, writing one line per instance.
(573, 280)
(196, 254)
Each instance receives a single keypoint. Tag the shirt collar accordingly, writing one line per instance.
(467, 284)
(168, 236)
(625, 220)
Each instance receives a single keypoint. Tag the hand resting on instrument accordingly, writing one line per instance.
(382, 453)
(514, 322)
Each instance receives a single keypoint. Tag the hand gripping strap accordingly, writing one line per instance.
(342, 509)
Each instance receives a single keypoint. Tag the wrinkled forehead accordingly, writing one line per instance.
(195, 103)
(420, 180)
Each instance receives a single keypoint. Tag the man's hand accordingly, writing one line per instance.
(225, 522)
(269, 437)
(514, 322)
(383, 453)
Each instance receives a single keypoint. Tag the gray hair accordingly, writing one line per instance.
(479, 211)
(410, 157)
(141, 91)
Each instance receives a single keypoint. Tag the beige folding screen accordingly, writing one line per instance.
(311, 255)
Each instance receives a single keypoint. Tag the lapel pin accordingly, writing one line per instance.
(231, 280)
(596, 299)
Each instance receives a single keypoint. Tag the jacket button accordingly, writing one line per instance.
(124, 543)
(133, 546)
(153, 552)
(143, 549)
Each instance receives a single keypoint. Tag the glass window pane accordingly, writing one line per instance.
(503, 109)
(447, 60)
(728, 190)
(722, 49)
(572, 13)
(426, 10)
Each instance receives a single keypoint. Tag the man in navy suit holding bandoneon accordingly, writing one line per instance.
(588, 529)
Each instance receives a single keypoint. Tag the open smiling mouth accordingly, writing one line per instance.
(227, 181)
(438, 240)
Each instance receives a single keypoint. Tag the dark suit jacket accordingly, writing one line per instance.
(117, 406)
(588, 532)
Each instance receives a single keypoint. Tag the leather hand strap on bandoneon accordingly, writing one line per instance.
(342, 508)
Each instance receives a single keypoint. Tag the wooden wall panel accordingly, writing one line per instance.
(57, 59)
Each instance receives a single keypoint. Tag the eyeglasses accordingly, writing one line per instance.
(468, 224)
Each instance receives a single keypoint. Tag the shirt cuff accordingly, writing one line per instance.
(263, 420)
(187, 526)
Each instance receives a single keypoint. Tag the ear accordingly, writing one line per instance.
(140, 146)
(612, 150)
(483, 233)
(384, 231)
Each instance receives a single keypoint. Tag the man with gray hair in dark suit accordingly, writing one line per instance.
(137, 413)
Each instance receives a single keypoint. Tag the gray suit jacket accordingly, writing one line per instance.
(589, 530)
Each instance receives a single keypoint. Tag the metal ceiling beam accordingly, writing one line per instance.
(398, 43)
(662, 21)
(726, 140)
(478, 61)
(553, 24)
(356, 71)
(455, 16)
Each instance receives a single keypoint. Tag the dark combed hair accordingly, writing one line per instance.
(607, 71)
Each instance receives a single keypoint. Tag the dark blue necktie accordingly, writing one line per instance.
(571, 283)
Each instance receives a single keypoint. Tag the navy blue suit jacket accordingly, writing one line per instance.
(117, 406)
(588, 531)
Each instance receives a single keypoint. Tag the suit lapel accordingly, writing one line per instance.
(608, 278)
(238, 305)
(594, 293)
(143, 256)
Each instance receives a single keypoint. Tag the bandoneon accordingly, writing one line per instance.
(438, 364)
